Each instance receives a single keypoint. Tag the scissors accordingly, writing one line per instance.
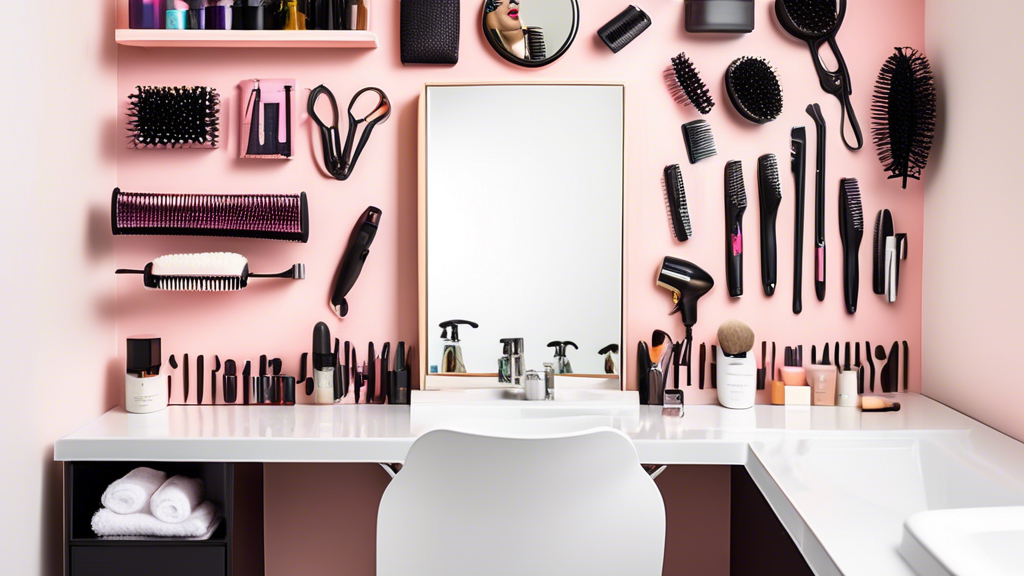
(340, 165)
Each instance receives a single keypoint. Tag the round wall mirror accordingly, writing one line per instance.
(531, 33)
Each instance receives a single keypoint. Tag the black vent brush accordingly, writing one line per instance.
(266, 216)
(754, 90)
(680, 215)
(699, 140)
(903, 114)
(769, 196)
(816, 22)
(851, 231)
(735, 205)
(173, 117)
(686, 86)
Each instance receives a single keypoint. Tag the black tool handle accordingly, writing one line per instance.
(814, 111)
(769, 254)
(851, 276)
(734, 254)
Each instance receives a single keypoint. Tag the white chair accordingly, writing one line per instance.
(558, 502)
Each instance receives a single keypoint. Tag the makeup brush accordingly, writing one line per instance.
(661, 344)
(735, 338)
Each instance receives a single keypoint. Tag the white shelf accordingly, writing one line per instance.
(246, 38)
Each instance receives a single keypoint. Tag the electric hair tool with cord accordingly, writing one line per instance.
(355, 256)
(688, 282)
(340, 161)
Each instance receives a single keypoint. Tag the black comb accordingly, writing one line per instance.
(686, 86)
(700, 142)
(676, 194)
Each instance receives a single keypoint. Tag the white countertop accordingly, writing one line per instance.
(841, 481)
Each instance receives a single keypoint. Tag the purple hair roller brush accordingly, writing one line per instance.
(266, 216)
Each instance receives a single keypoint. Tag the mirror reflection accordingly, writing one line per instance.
(530, 32)
(524, 229)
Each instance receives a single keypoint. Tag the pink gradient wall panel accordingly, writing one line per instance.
(277, 317)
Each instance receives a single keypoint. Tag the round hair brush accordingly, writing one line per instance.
(686, 86)
(206, 272)
(903, 114)
(754, 89)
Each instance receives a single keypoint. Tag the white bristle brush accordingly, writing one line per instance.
(206, 272)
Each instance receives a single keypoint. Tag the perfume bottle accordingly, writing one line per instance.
(144, 390)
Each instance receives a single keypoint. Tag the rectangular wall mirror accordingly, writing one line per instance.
(521, 232)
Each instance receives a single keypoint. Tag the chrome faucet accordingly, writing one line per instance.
(510, 366)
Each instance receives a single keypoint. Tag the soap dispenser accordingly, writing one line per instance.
(562, 365)
(451, 355)
(611, 358)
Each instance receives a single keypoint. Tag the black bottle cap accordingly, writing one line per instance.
(322, 356)
(143, 354)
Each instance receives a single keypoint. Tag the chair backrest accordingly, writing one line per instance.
(569, 503)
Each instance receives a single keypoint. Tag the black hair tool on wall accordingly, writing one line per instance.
(355, 256)
(735, 206)
(676, 194)
(798, 164)
(851, 231)
(903, 111)
(770, 196)
(819, 202)
(688, 282)
(817, 22)
(339, 161)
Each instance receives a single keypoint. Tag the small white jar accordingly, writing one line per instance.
(534, 386)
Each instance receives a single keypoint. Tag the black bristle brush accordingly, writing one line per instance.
(686, 86)
(770, 196)
(735, 205)
(753, 88)
(903, 114)
(680, 214)
(173, 117)
(699, 140)
(851, 231)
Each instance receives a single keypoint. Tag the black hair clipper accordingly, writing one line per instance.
(352, 262)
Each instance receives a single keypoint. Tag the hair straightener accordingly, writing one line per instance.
(819, 202)
(798, 163)
(355, 256)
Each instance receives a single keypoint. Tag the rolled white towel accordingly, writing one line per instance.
(174, 501)
(131, 493)
(199, 524)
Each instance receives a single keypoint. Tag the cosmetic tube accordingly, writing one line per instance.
(176, 20)
(822, 380)
(846, 389)
(144, 390)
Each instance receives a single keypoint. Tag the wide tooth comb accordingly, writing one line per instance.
(699, 140)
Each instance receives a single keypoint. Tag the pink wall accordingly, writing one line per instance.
(972, 212)
(276, 318)
(58, 347)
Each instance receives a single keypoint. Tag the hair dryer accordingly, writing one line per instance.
(688, 282)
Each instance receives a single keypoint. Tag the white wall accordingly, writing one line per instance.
(974, 213)
(57, 108)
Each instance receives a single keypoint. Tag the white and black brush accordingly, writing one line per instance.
(205, 272)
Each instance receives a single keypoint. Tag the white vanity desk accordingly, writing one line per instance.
(842, 482)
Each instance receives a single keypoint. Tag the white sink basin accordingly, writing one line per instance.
(503, 396)
(965, 542)
(485, 408)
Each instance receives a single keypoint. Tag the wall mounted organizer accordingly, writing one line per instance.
(246, 38)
